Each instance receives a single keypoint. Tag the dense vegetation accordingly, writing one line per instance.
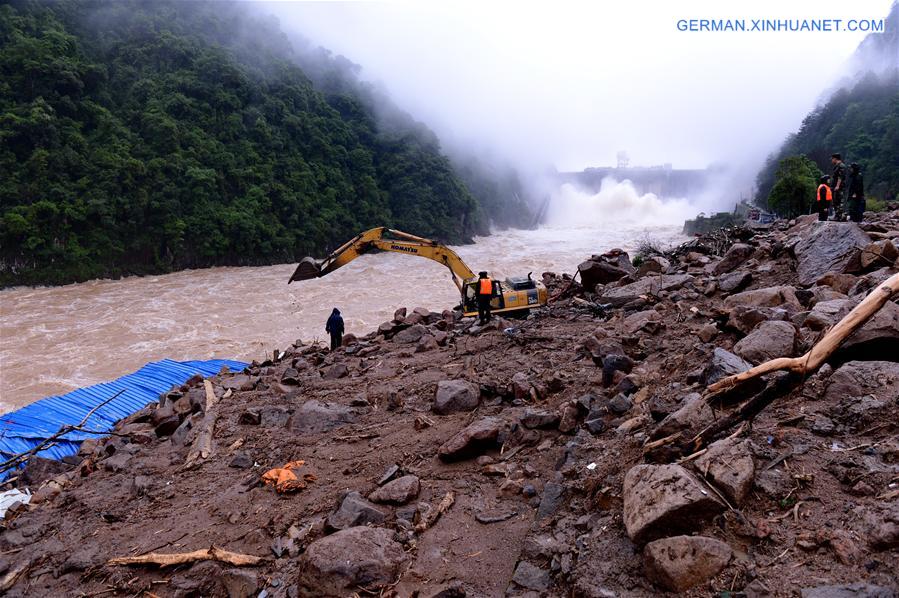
(860, 120)
(141, 137)
(794, 192)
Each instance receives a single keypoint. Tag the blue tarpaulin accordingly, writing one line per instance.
(26, 428)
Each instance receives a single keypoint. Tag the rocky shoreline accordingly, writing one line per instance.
(523, 458)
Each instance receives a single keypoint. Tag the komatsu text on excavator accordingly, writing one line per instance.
(516, 294)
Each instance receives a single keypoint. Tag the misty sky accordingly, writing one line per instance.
(569, 84)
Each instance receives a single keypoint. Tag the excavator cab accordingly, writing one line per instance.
(517, 294)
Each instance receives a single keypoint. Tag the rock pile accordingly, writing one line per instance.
(533, 457)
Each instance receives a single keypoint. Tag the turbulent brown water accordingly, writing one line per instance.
(56, 339)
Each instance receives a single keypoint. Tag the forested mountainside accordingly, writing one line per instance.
(141, 137)
(860, 120)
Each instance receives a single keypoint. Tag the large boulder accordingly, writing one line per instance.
(829, 247)
(337, 565)
(733, 258)
(456, 395)
(723, 364)
(767, 341)
(767, 297)
(663, 499)
(879, 254)
(746, 317)
(879, 335)
(879, 379)
(728, 464)
(827, 313)
(411, 334)
(397, 492)
(883, 528)
(681, 562)
(694, 413)
(472, 440)
(734, 281)
(318, 416)
(649, 285)
(858, 589)
(653, 264)
(648, 320)
(841, 283)
(594, 272)
(355, 510)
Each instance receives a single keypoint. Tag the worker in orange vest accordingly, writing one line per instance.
(823, 199)
(485, 294)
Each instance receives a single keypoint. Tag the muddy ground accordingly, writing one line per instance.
(559, 408)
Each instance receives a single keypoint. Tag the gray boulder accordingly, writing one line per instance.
(851, 590)
(411, 334)
(472, 440)
(694, 414)
(734, 281)
(768, 297)
(398, 492)
(663, 499)
(880, 334)
(681, 562)
(337, 565)
(456, 395)
(767, 341)
(829, 247)
(354, 510)
(595, 272)
(733, 258)
(318, 416)
(648, 285)
(723, 364)
(728, 464)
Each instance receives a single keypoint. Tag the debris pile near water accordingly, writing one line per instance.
(549, 456)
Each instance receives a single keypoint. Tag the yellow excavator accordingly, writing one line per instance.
(515, 294)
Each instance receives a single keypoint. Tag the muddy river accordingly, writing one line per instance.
(56, 339)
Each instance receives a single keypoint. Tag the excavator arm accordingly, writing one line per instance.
(384, 239)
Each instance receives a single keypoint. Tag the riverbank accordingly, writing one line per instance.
(527, 457)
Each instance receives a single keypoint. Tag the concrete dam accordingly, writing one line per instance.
(662, 181)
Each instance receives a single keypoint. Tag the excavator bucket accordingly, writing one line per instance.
(307, 269)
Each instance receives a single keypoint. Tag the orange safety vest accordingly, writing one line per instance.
(486, 287)
(827, 196)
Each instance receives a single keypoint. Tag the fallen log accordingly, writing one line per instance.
(823, 349)
(792, 371)
(169, 559)
(202, 447)
(782, 384)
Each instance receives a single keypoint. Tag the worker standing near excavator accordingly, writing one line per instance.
(334, 327)
(823, 198)
(485, 294)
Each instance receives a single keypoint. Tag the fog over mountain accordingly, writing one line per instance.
(568, 85)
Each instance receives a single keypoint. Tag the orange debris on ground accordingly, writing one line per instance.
(285, 480)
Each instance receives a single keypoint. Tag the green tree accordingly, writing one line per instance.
(794, 188)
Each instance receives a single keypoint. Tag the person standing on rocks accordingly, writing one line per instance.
(823, 199)
(856, 193)
(485, 294)
(334, 327)
(838, 184)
